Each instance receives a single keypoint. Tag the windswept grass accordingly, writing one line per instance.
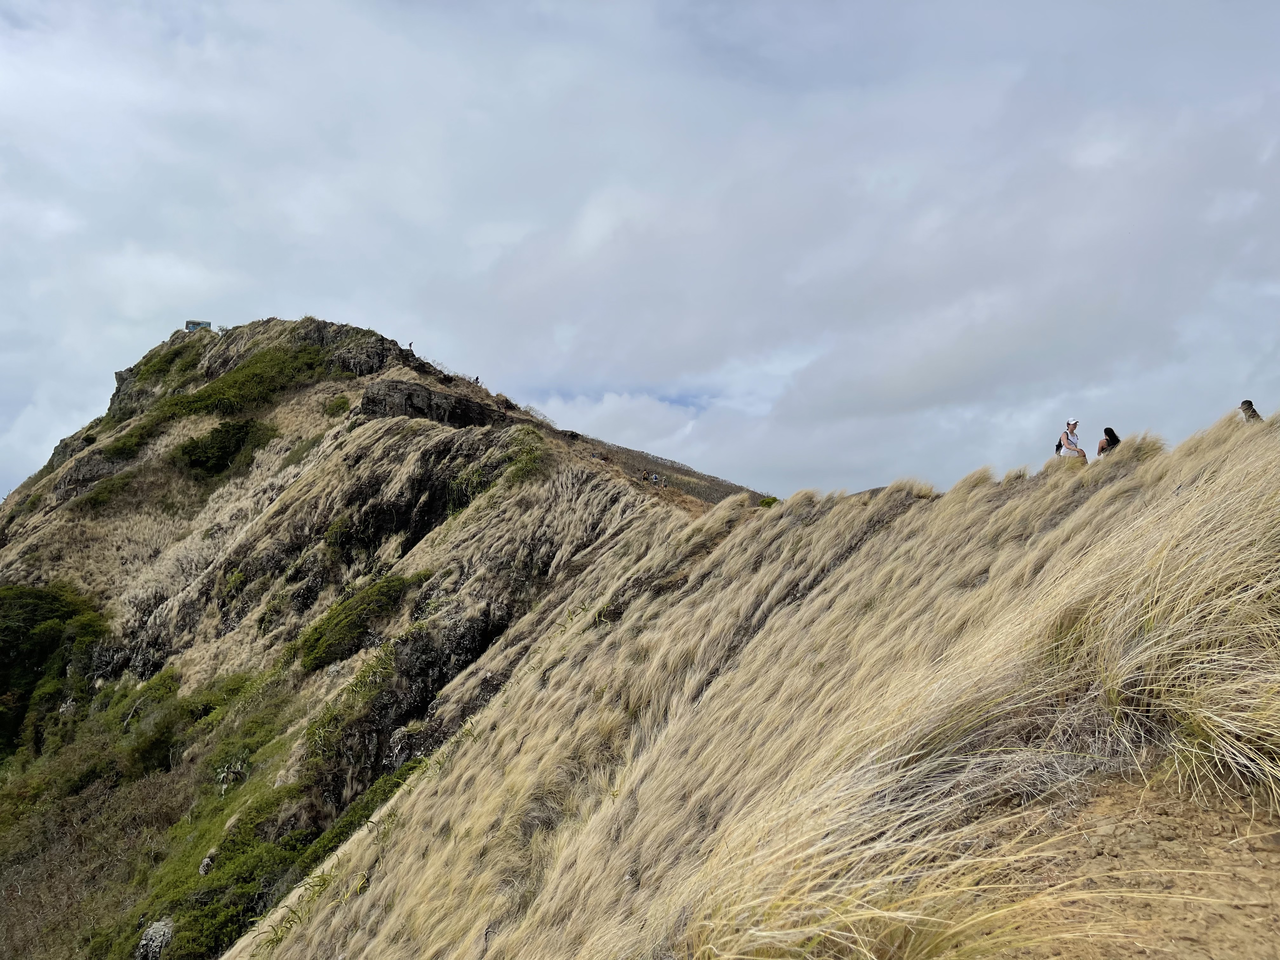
(823, 729)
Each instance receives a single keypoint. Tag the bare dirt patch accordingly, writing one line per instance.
(1192, 879)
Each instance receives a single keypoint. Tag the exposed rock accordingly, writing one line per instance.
(154, 939)
(207, 863)
(83, 473)
(401, 398)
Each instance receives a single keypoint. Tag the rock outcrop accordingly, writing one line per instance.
(402, 398)
(154, 939)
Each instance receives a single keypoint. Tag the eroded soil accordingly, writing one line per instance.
(1194, 880)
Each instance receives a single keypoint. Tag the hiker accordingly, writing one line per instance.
(1069, 443)
(1109, 441)
(1246, 407)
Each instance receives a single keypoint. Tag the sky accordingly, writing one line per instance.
(796, 244)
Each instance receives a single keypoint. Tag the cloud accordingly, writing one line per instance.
(812, 245)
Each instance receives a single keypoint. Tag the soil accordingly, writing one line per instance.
(1194, 879)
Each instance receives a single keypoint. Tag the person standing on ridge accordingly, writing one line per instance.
(1109, 441)
(1246, 407)
(1069, 442)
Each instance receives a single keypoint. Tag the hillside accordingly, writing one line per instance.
(315, 650)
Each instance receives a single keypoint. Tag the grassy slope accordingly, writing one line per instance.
(760, 732)
(779, 732)
(252, 555)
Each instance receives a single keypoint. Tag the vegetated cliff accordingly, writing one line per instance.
(439, 681)
(232, 605)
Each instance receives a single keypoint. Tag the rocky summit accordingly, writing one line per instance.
(312, 648)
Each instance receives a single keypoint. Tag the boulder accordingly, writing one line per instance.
(155, 938)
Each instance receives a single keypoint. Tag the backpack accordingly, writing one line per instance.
(1057, 450)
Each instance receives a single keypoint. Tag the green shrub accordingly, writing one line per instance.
(337, 539)
(768, 501)
(32, 632)
(174, 363)
(104, 492)
(341, 631)
(251, 385)
(337, 406)
(227, 448)
(528, 453)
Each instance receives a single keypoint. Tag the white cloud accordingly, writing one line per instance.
(142, 283)
(819, 246)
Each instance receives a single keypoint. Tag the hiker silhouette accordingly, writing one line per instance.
(1246, 407)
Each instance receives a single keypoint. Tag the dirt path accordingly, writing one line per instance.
(1196, 880)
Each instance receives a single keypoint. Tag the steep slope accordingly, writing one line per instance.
(452, 685)
(255, 515)
(835, 728)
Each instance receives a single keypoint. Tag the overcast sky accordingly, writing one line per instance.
(795, 244)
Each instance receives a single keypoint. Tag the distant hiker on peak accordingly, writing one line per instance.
(1109, 441)
(1246, 407)
(1069, 443)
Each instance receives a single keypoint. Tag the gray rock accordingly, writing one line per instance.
(400, 398)
(207, 863)
(84, 472)
(154, 939)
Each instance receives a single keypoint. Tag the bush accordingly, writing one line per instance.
(104, 492)
(768, 501)
(252, 385)
(337, 406)
(528, 452)
(176, 361)
(33, 629)
(227, 448)
(341, 631)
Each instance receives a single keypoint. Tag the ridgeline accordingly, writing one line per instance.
(309, 647)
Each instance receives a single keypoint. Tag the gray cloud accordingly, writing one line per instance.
(802, 244)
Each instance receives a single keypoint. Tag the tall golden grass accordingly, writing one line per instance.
(820, 730)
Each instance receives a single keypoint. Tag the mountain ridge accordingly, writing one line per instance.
(323, 681)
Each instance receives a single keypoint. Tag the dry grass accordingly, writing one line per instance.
(815, 730)
(787, 732)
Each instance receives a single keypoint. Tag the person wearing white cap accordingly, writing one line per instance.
(1069, 443)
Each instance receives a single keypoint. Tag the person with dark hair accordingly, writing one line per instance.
(1246, 407)
(1109, 441)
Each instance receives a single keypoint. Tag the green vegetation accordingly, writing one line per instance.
(301, 449)
(341, 631)
(42, 631)
(226, 449)
(528, 452)
(104, 492)
(253, 853)
(248, 387)
(466, 486)
(338, 538)
(337, 406)
(175, 364)
(768, 501)
(355, 816)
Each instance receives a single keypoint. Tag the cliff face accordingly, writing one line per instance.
(353, 659)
